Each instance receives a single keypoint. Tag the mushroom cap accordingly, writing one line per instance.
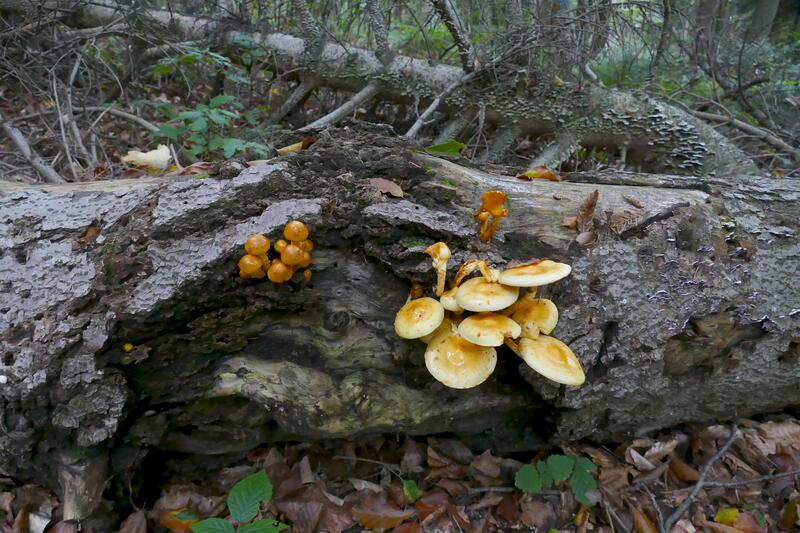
(250, 264)
(479, 295)
(553, 359)
(458, 363)
(542, 312)
(278, 272)
(535, 274)
(438, 251)
(256, 244)
(492, 201)
(488, 329)
(446, 327)
(418, 318)
(448, 300)
(292, 255)
(295, 231)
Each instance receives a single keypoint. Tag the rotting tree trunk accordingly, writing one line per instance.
(687, 315)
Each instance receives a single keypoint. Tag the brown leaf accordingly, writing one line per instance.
(789, 516)
(453, 487)
(71, 527)
(633, 201)
(376, 513)
(303, 514)
(89, 235)
(409, 527)
(5, 501)
(490, 499)
(621, 221)
(135, 523)
(430, 502)
(586, 212)
(195, 169)
(486, 464)
(683, 471)
(785, 463)
(457, 515)
(508, 509)
(22, 521)
(586, 237)
(304, 470)
(412, 460)
(746, 523)
(641, 522)
(538, 514)
(385, 186)
(570, 222)
(454, 449)
(539, 173)
(296, 147)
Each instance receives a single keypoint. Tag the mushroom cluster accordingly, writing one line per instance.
(294, 253)
(461, 349)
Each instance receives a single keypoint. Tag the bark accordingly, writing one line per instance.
(657, 137)
(683, 313)
(762, 19)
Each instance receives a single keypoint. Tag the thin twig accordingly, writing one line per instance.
(706, 468)
(47, 172)
(755, 480)
(365, 94)
(149, 126)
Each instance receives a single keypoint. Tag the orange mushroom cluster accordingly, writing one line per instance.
(294, 254)
(461, 349)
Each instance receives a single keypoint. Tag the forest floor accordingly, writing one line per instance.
(745, 483)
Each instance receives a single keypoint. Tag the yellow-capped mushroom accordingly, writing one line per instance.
(440, 254)
(479, 295)
(418, 318)
(488, 329)
(448, 300)
(458, 363)
(446, 327)
(535, 316)
(534, 274)
(553, 359)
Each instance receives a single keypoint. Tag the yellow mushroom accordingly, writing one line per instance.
(458, 363)
(534, 274)
(553, 359)
(440, 253)
(488, 329)
(479, 295)
(418, 318)
(448, 301)
(540, 315)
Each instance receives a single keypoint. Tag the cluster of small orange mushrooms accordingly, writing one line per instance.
(461, 348)
(295, 253)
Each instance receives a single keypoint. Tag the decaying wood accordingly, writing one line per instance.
(689, 315)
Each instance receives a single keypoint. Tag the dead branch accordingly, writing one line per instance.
(762, 134)
(298, 95)
(364, 95)
(149, 126)
(378, 24)
(47, 172)
(685, 504)
(449, 16)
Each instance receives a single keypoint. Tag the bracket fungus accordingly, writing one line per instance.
(294, 254)
(461, 349)
(490, 213)
(440, 254)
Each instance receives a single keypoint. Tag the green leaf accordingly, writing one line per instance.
(170, 132)
(189, 115)
(585, 464)
(263, 526)
(451, 147)
(201, 124)
(212, 525)
(163, 70)
(411, 490)
(247, 494)
(560, 466)
(544, 473)
(221, 99)
(228, 145)
(528, 479)
(218, 118)
(580, 483)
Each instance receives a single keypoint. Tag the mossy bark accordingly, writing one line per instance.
(686, 314)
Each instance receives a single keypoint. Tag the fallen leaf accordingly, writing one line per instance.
(195, 169)
(385, 186)
(586, 212)
(378, 514)
(638, 460)
(304, 515)
(683, 471)
(179, 520)
(539, 173)
(641, 522)
(538, 514)
(409, 527)
(133, 173)
(454, 487)
(621, 221)
(70, 527)
(789, 516)
(633, 201)
(486, 464)
(570, 222)
(454, 449)
(22, 521)
(135, 523)
(89, 235)
(430, 502)
(448, 148)
(363, 485)
(727, 516)
(5, 501)
(290, 149)
(508, 509)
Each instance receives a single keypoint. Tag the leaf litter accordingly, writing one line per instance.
(441, 485)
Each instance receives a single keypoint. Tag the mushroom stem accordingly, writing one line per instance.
(441, 277)
(439, 253)
(469, 267)
(513, 345)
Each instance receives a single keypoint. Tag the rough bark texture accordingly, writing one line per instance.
(685, 313)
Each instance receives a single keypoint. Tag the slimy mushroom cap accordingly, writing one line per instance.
(278, 272)
(448, 300)
(418, 318)
(479, 295)
(249, 265)
(488, 329)
(458, 363)
(535, 274)
(446, 327)
(542, 313)
(295, 231)
(553, 359)
(256, 244)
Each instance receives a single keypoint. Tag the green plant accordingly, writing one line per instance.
(244, 501)
(557, 469)
(205, 129)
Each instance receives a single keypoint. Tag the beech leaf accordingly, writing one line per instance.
(385, 186)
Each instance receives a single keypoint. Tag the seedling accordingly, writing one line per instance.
(557, 469)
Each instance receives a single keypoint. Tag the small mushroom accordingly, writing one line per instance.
(279, 272)
(250, 267)
(491, 204)
(446, 326)
(448, 301)
(540, 315)
(458, 363)
(490, 274)
(534, 274)
(418, 318)
(257, 245)
(440, 253)
(295, 231)
(292, 255)
(479, 295)
(488, 329)
(553, 359)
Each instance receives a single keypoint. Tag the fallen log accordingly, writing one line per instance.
(684, 311)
